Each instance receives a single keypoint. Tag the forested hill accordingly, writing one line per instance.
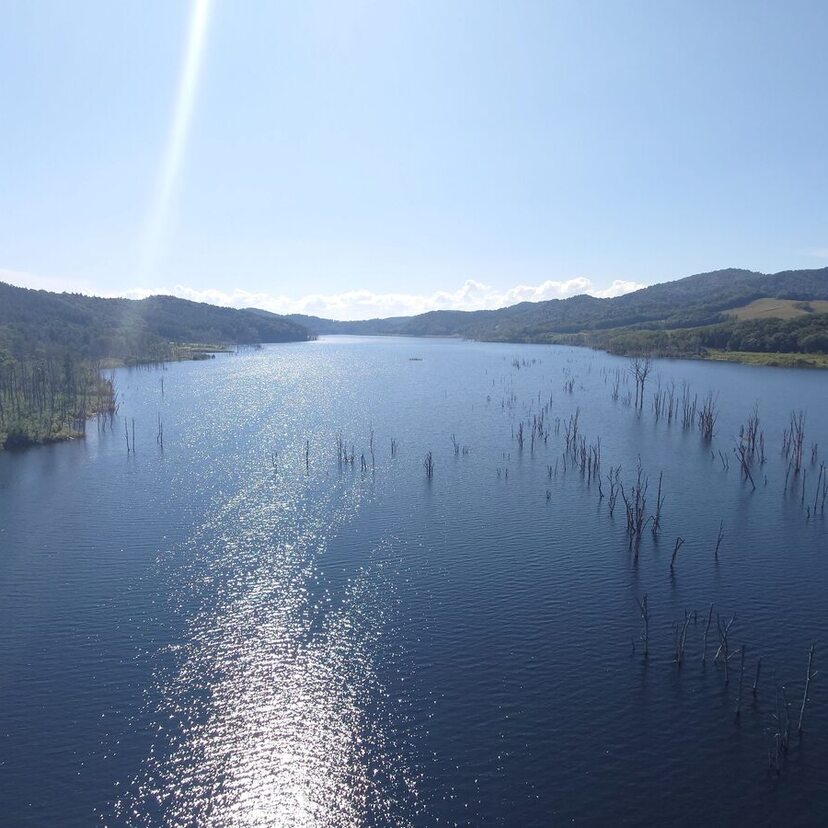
(51, 344)
(39, 324)
(695, 301)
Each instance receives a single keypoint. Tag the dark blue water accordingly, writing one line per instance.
(221, 633)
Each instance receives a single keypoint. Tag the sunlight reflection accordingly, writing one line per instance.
(185, 99)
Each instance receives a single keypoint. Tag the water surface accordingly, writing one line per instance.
(229, 631)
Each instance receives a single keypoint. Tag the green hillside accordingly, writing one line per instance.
(695, 301)
(682, 317)
(36, 323)
(52, 346)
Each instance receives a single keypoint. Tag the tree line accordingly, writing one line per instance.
(43, 400)
(807, 334)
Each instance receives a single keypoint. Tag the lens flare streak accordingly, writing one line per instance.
(158, 219)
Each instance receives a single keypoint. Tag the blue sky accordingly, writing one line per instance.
(362, 159)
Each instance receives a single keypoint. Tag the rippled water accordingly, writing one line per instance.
(227, 632)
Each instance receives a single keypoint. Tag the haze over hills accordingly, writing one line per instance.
(699, 300)
(51, 344)
(37, 323)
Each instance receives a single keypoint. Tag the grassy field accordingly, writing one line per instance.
(778, 360)
(779, 309)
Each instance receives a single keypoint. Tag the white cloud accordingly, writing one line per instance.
(351, 304)
(618, 288)
(365, 304)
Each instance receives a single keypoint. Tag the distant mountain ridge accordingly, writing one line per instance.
(37, 323)
(40, 323)
(693, 301)
(51, 345)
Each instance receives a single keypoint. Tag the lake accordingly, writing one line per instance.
(239, 628)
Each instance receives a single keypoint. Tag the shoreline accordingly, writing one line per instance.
(67, 431)
(780, 359)
(199, 352)
(774, 360)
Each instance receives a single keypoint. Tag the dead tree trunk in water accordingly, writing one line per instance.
(680, 634)
(706, 631)
(724, 647)
(744, 463)
(635, 506)
(679, 544)
(741, 681)
(659, 503)
(640, 368)
(756, 680)
(645, 617)
(809, 675)
(719, 539)
(614, 484)
(707, 418)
